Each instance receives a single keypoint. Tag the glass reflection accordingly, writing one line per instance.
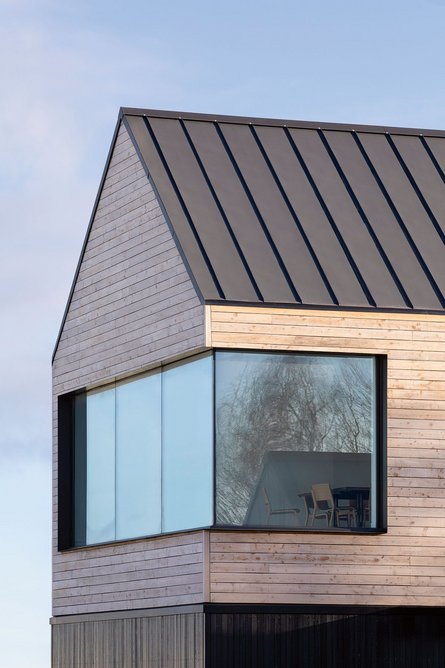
(187, 433)
(100, 466)
(295, 440)
(138, 457)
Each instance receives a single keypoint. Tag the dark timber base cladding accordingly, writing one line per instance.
(274, 637)
(225, 636)
(136, 640)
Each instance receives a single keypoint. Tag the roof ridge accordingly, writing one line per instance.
(279, 122)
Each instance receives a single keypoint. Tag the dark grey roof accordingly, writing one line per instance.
(290, 212)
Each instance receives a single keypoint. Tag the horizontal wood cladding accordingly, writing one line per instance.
(133, 303)
(163, 641)
(133, 306)
(406, 566)
(155, 572)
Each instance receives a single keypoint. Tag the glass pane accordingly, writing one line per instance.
(187, 421)
(100, 466)
(80, 468)
(138, 457)
(295, 440)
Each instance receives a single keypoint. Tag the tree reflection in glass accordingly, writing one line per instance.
(290, 403)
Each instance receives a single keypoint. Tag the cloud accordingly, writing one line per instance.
(62, 84)
(25, 498)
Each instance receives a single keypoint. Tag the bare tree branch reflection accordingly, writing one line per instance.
(288, 403)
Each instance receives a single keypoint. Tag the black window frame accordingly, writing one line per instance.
(66, 452)
(381, 392)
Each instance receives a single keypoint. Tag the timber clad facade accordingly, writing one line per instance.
(314, 248)
(401, 567)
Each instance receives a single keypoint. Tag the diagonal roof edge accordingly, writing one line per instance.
(125, 117)
(87, 235)
(164, 211)
(278, 122)
(120, 120)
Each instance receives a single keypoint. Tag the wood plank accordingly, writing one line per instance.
(126, 642)
(407, 562)
(132, 270)
(331, 313)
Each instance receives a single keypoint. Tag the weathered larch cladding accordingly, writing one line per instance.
(133, 302)
(401, 567)
(133, 306)
(130, 641)
(254, 234)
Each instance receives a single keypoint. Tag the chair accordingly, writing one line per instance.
(323, 503)
(367, 510)
(325, 508)
(278, 511)
(308, 507)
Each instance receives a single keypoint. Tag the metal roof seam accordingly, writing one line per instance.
(416, 188)
(294, 215)
(221, 211)
(399, 219)
(365, 219)
(331, 220)
(432, 158)
(258, 214)
(265, 210)
(164, 211)
(184, 208)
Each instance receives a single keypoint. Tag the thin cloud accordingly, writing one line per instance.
(61, 90)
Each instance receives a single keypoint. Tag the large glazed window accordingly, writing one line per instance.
(296, 441)
(138, 457)
(187, 452)
(141, 456)
(101, 466)
(235, 439)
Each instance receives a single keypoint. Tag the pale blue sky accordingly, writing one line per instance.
(65, 68)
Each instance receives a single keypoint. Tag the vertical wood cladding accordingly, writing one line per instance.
(253, 637)
(164, 641)
(388, 638)
(133, 305)
(404, 566)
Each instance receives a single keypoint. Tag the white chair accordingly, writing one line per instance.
(278, 511)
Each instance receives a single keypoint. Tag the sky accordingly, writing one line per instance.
(65, 69)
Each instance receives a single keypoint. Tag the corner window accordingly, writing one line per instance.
(140, 455)
(235, 439)
(296, 441)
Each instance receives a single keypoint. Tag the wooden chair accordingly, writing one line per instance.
(278, 511)
(325, 508)
(323, 503)
(308, 507)
(367, 511)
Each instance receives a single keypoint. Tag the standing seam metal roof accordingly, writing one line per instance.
(288, 212)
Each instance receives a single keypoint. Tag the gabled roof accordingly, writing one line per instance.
(279, 212)
(297, 213)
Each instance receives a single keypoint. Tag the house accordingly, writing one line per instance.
(249, 400)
